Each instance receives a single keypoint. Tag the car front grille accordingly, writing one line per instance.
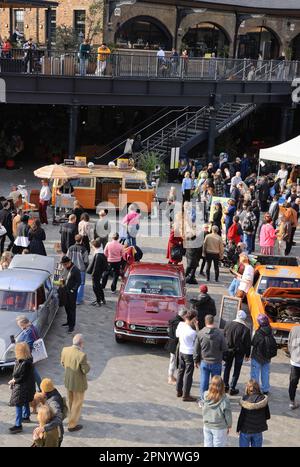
(151, 329)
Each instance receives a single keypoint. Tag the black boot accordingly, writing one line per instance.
(191, 278)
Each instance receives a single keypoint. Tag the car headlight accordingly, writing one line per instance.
(132, 327)
(120, 324)
(10, 353)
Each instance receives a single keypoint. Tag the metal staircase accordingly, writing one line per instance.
(188, 129)
(191, 128)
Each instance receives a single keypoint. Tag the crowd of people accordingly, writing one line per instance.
(47, 402)
(266, 207)
(241, 207)
(196, 342)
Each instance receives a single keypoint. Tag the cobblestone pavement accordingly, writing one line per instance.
(128, 402)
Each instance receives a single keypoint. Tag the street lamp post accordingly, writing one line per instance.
(211, 128)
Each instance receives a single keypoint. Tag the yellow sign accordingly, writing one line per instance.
(218, 199)
(80, 161)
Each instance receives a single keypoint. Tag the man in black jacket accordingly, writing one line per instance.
(6, 221)
(204, 305)
(96, 269)
(171, 345)
(72, 284)
(238, 338)
(263, 194)
(67, 234)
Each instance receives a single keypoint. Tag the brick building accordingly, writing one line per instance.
(33, 21)
(236, 28)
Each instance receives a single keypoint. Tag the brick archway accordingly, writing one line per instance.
(144, 30)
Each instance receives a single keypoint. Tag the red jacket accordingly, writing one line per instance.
(234, 233)
(173, 241)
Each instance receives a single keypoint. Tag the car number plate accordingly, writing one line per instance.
(150, 341)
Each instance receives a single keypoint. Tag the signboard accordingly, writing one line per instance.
(80, 161)
(296, 92)
(2, 91)
(69, 162)
(174, 162)
(218, 199)
(229, 308)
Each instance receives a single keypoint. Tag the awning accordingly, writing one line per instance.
(288, 152)
(27, 4)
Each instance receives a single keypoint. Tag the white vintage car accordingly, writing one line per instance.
(26, 288)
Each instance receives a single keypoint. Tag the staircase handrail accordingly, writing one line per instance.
(178, 128)
(140, 131)
(174, 121)
(242, 109)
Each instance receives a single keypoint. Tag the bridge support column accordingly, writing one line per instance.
(73, 124)
(287, 122)
(211, 135)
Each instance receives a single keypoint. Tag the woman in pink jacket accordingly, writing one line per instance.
(267, 237)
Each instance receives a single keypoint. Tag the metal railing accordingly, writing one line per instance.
(146, 128)
(134, 65)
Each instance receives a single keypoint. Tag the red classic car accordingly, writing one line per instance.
(150, 295)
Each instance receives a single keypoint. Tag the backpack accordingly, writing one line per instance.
(269, 347)
(248, 225)
(177, 253)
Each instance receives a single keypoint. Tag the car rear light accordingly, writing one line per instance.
(181, 301)
(120, 324)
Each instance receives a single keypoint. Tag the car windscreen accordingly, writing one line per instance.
(280, 282)
(153, 285)
(17, 301)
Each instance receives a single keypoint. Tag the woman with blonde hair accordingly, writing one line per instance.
(217, 416)
(45, 439)
(253, 416)
(186, 187)
(22, 385)
(5, 260)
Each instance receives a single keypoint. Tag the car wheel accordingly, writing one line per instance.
(119, 340)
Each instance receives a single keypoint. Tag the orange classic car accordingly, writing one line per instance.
(276, 293)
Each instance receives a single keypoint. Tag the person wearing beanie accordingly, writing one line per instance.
(204, 305)
(209, 348)
(171, 345)
(56, 403)
(238, 338)
(264, 348)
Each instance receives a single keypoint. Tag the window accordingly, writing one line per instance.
(17, 301)
(132, 184)
(52, 25)
(82, 182)
(280, 282)
(19, 20)
(79, 23)
(153, 285)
